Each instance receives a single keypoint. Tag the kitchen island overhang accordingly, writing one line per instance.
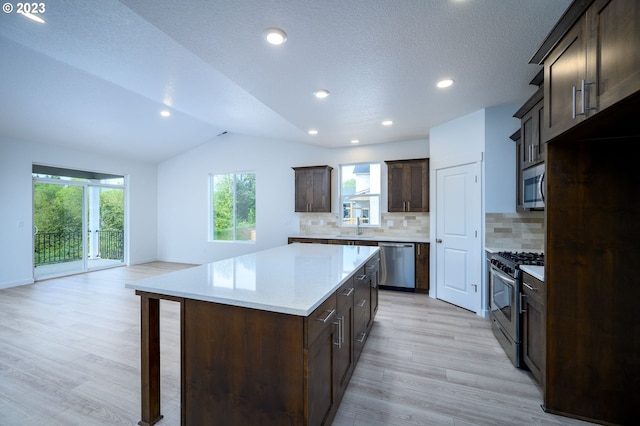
(260, 333)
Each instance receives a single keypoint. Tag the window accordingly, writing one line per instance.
(233, 207)
(360, 193)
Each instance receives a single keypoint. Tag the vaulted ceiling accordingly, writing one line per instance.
(96, 75)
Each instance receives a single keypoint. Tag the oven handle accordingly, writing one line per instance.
(504, 276)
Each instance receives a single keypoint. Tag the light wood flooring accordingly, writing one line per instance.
(70, 355)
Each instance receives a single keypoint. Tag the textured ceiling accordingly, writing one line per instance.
(96, 75)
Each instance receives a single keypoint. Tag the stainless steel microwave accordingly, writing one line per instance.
(533, 187)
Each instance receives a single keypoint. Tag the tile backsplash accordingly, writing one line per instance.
(392, 225)
(515, 230)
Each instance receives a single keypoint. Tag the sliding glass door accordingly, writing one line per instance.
(78, 223)
(58, 220)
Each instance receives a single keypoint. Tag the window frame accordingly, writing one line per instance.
(370, 195)
(212, 210)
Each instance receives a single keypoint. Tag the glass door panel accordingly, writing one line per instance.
(105, 219)
(58, 228)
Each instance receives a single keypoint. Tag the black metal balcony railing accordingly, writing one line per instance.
(59, 247)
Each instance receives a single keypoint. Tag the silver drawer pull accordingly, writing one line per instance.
(361, 337)
(361, 303)
(529, 287)
(361, 277)
(347, 292)
(328, 317)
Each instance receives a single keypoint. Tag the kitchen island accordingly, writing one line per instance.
(266, 338)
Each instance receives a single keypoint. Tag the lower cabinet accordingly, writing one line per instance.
(422, 267)
(533, 326)
(343, 342)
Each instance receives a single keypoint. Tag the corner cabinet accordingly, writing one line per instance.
(408, 185)
(313, 189)
(593, 66)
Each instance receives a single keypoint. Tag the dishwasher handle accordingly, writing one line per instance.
(395, 245)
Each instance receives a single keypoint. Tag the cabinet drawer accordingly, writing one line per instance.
(345, 295)
(319, 319)
(533, 288)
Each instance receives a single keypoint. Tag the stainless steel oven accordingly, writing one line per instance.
(504, 284)
(505, 311)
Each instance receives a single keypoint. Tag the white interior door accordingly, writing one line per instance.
(458, 242)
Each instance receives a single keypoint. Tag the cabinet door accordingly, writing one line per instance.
(422, 268)
(531, 137)
(395, 195)
(564, 69)
(533, 338)
(416, 187)
(320, 188)
(344, 339)
(319, 379)
(303, 186)
(613, 52)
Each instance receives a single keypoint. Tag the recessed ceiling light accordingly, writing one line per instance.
(275, 36)
(354, 141)
(32, 16)
(165, 113)
(444, 83)
(321, 94)
(313, 132)
(387, 123)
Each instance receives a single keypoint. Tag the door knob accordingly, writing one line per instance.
(438, 240)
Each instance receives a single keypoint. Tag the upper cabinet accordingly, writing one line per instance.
(408, 185)
(595, 64)
(313, 189)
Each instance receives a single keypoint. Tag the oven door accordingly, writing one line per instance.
(504, 302)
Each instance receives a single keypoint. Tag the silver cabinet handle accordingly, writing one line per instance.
(408, 206)
(327, 317)
(582, 94)
(347, 292)
(529, 287)
(361, 277)
(522, 311)
(361, 303)
(574, 89)
(361, 337)
(340, 323)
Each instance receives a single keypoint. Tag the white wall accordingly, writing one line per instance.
(183, 190)
(499, 159)
(480, 136)
(16, 205)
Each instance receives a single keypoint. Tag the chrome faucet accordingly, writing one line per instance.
(358, 229)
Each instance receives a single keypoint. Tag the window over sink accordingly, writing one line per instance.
(360, 185)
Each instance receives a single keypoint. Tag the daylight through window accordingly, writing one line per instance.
(360, 194)
(233, 207)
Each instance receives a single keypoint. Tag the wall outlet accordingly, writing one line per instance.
(389, 223)
(404, 223)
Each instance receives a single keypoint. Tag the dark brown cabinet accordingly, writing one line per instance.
(313, 189)
(594, 65)
(361, 311)
(590, 366)
(320, 353)
(344, 361)
(531, 131)
(533, 325)
(422, 267)
(408, 185)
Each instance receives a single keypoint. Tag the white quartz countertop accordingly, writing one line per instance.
(291, 279)
(416, 239)
(536, 271)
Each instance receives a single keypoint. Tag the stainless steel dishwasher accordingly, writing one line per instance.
(397, 265)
